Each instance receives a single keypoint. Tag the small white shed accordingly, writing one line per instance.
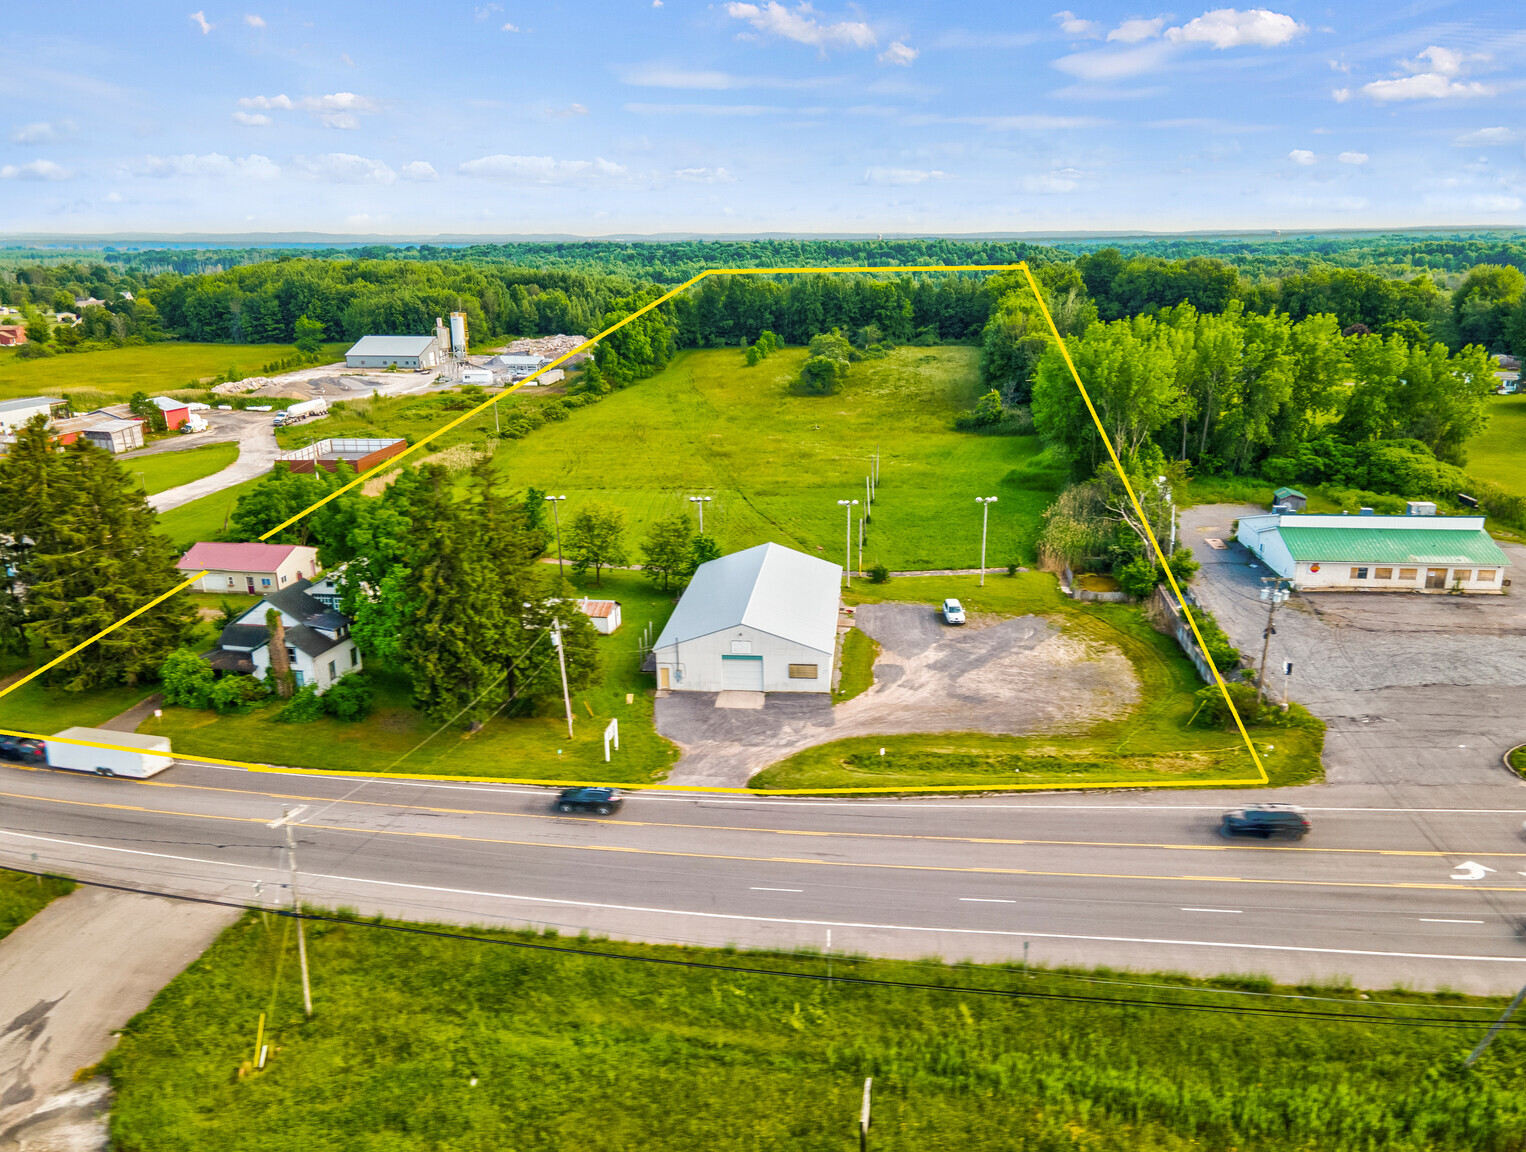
(760, 620)
(605, 614)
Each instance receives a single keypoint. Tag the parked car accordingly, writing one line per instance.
(953, 612)
(22, 749)
(1266, 821)
(600, 800)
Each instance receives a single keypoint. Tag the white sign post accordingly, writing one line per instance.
(612, 733)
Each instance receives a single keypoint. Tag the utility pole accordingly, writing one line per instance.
(561, 661)
(1273, 596)
(868, 496)
(985, 503)
(1494, 1029)
(847, 540)
(296, 906)
(863, 1117)
(1287, 675)
(556, 503)
(700, 502)
(860, 547)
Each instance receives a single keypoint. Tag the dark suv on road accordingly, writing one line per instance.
(1266, 821)
(600, 800)
(22, 749)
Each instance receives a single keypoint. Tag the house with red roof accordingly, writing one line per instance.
(252, 569)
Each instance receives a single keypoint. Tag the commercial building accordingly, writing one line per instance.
(361, 455)
(760, 620)
(1367, 553)
(394, 352)
(253, 569)
(517, 367)
(14, 414)
(176, 412)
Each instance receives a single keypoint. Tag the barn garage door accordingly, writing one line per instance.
(742, 673)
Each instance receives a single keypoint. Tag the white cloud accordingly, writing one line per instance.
(213, 164)
(1353, 157)
(254, 21)
(570, 110)
(251, 119)
(1073, 25)
(898, 53)
(1231, 28)
(1060, 180)
(485, 11)
(660, 76)
(800, 24)
(902, 175)
(1485, 137)
(1425, 86)
(509, 28)
(344, 168)
(1444, 61)
(1301, 156)
(1340, 95)
(543, 170)
(418, 170)
(334, 110)
(42, 132)
(1133, 31)
(1102, 64)
(200, 19)
(35, 170)
(705, 109)
(704, 176)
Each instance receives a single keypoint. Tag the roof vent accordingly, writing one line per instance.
(1364, 511)
(1419, 508)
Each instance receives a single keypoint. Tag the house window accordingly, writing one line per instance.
(299, 676)
(1359, 573)
(802, 672)
(1383, 574)
(283, 579)
(1408, 573)
(1486, 575)
(354, 656)
(333, 672)
(1463, 575)
(742, 647)
(265, 582)
(230, 581)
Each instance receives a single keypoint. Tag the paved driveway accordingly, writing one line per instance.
(255, 435)
(1000, 675)
(1416, 690)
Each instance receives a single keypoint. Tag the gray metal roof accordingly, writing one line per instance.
(771, 588)
(391, 346)
(29, 402)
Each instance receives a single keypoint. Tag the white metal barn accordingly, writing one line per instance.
(760, 620)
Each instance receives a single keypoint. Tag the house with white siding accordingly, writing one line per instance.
(319, 647)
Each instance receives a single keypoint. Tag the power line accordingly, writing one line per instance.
(816, 977)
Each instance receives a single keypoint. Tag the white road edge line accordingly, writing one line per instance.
(1227, 911)
(983, 900)
(1434, 920)
(776, 889)
(802, 922)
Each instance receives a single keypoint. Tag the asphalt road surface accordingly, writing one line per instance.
(1419, 885)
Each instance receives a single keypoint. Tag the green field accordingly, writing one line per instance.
(425, 1043)
(22, 897)
(1499, 454)
(202, 519)
(165, 470)
(1153, 744)
(392, 738)
(35, 708)
(139, 368)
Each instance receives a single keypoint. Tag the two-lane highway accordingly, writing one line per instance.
(1382, 894)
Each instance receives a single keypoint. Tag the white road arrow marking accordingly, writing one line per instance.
(1468, 870)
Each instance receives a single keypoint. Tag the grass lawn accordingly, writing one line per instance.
(138, 368)
(22, 897)
(1152, 744)
(1499, 454)
(535, 747)
(35, 708)
(421, 1043)
(203, 519)
(857, 666)
(165, 470)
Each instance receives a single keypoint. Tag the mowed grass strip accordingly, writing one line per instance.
(1499, 452)
(1153, 743)
(22, 897)
(775, 463)
(147, 368)
(162, 471)
(395, 738)
(428, 1043)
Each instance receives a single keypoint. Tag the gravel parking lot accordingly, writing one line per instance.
(1415, 689)
(1007, 676)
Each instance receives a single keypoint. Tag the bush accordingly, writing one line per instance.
(1215, 713)
(554, 410)
(1182, 566)
(879, 574)
(188, 679)
(304, 707)
(1137, 577)
(350, 698)
(233, 694)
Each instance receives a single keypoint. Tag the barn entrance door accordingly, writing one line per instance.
(1435, 577)
(742, 673)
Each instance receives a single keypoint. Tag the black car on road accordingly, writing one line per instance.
(1266, 821)
(600, 800)
(23, 749)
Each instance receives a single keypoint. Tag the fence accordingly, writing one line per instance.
(1168, 611)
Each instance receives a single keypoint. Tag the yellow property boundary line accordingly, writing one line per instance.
(1259, 779)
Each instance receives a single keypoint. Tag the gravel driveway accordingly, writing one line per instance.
(1415, 689)
(1006, 676)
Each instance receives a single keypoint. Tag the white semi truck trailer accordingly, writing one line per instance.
(136, 756)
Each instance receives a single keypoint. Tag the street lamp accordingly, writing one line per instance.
(700, 502)
(985, 503)
(555, 502)
(847, 540)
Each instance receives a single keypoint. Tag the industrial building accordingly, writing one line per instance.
(394, 352)
(14, 414)
(517, 367)
(760, 620)
(1420, 552)
(361, 455)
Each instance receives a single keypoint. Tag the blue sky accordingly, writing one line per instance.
(683, 116)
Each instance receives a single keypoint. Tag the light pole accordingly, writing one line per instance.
(700, 502)
(847, 540)
(985, 503)
(556, 503)
(1273, 596)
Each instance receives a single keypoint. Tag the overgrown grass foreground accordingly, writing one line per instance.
(427, 1043)
(22, 897)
